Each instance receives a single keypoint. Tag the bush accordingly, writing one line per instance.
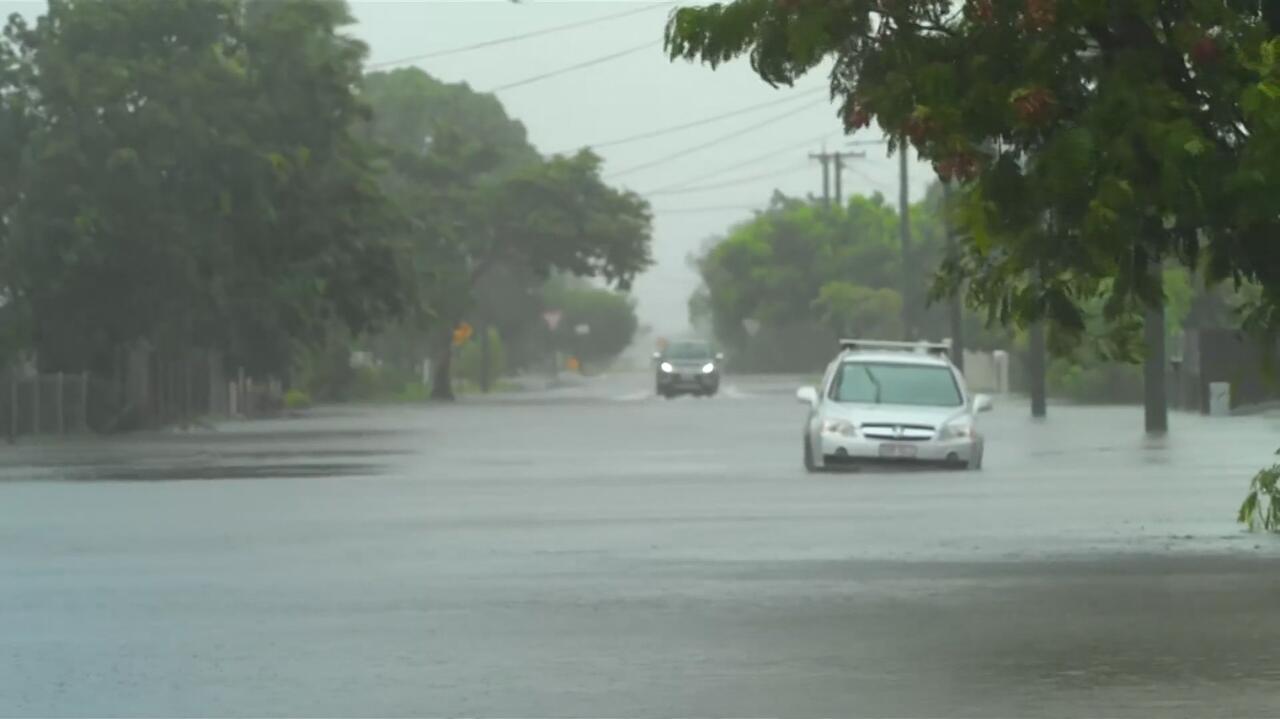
(1261, 508)
(297, 399)
(1101, 383)
(326, 374)
(386, 384)
(467, 364)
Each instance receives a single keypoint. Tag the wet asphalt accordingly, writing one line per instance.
(595, 551)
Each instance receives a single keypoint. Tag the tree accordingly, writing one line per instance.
(189, 179)
(800, 260)
(15, 124)
(481, 201)
(1093, 139)
(609, 319)
(321, 239)
(858, 311)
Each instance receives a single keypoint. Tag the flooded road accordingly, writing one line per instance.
(596, 551)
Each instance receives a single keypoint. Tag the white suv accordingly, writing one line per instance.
(892, 402)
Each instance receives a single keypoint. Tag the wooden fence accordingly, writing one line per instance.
(146, 390)
(45, 404)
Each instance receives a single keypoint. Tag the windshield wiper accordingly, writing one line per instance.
(874, 381)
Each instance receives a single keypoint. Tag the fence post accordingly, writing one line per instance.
(233, 406)
(157, 382)
(61, 414)
(13, 405)
(84, 401)
(186, 387)
(35, 409)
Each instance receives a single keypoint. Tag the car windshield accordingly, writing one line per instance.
(893, 383)
(688, 351)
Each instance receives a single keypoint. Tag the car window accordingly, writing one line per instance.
(688, 351)
(892, 383)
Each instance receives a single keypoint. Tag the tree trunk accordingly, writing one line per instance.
(904, 241)
(1037, 366)
(954, 310)
(484, 357)
(1155, 400)
(442, 366)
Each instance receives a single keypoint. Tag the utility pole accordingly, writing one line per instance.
(824, 158)
(904, 237)
(840, 157)
(955, 310)
(830, 161)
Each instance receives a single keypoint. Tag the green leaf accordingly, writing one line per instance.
(1251, 100)
(1268, 55)
(1194, 147)
(1247, 509)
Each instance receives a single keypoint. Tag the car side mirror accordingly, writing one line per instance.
(807, 395)
(719, 356)
(982, 403)
(657, 356)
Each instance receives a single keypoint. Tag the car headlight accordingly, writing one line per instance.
(708, 368)
(958, 429)
(666, 367)
(839, 426)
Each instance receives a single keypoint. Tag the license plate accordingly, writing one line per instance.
(898, 451)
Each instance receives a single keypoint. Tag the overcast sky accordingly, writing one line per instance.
(628, 95)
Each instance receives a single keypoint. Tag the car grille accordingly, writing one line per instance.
(898, 432)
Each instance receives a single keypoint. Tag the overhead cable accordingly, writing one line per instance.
(703, 121)
(578, 66)
(742, 163)
(716, 140)
(516, 38)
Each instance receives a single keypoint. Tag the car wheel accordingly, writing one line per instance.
(809, 465)
(975, 462)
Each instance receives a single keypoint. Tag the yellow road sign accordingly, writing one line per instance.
(461, 334)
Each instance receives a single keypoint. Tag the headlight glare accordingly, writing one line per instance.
(708, 368)
(666, 367)
(959, 429)
(839, 426)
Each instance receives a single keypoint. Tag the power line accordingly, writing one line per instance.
(743, 163)
(690, 210)
(703, 121)
(579, 66)
(731, 183)
(714, 141)
(516, 38)
(869, 178)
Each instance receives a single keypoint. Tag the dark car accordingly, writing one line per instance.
(689, 367)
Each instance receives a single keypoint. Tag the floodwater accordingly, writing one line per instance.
(597, 551)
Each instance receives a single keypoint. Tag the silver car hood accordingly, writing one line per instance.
(860, 414)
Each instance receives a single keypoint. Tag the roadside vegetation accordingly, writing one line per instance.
(224, 179)
(1093, 145)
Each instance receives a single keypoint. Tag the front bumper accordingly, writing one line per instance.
(839, 449)
(700, 382)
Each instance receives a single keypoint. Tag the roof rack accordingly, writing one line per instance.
(932, 348)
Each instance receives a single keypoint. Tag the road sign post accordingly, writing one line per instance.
(552, 318)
